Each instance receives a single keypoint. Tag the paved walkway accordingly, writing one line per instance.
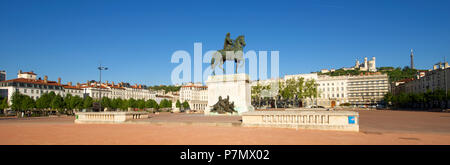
(377, 127)
(404, 121)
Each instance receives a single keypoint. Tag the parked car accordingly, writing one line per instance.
(315, 106)
(380, 106)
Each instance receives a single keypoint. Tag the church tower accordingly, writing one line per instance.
(412, 59)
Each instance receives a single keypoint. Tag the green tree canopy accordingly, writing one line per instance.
(106, 102)
(27, 103)
(141, 103)
(169, 88)
(150, 103)
(429, 99)
(44, 101)
(394, 74)
(310, 89)
(76, 102)
(4, 104)
(57, 102)
(16, 101)
(178, 104)
(165, 103)
(186, 105)
(116, 103)
(132, 103)
(67, 100)
(22, 102)
(87, 102)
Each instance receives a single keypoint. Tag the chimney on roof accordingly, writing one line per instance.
(112, 82)
(69, 83)
(20, 71)
(78, 85)
(107, 82)
(59, 80)
(140, 86)
(46, 79)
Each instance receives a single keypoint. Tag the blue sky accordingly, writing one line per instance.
(136, 39)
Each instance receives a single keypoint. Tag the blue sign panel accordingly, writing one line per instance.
(351, 120)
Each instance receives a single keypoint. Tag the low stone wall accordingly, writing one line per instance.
(108, 117)
(322, 120)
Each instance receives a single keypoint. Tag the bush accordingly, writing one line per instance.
(345, 104)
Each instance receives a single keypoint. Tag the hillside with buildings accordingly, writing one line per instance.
(369, 66)
(394, 74)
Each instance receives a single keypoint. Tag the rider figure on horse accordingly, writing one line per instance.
(228, 43)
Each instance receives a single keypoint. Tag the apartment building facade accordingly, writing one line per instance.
(196, 94)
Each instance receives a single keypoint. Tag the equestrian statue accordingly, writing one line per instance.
(232, 51)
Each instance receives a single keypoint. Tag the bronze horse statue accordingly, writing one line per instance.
(235, 53)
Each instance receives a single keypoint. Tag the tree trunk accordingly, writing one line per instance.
(259, 103)
(276, 104)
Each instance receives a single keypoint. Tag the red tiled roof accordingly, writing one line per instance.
(113, 86)
(93, 86)
(32, 81)
(29, 73)
(71, 87)
(406, 80)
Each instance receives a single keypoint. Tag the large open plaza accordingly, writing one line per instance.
(376, 127)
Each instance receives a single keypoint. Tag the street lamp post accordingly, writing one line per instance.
(100, 68)
(445, 82)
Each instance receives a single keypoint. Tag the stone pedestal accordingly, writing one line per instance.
(236, 86)
(303, 119)
(108, 117)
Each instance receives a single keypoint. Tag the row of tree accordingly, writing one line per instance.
(166, 88)
(69, 103)
(124, 104)
(427, 100)
(184, 105)
(48, 101)
(291, 91)
(396, 74)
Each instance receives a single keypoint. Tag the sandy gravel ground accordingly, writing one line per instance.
(377, 127)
